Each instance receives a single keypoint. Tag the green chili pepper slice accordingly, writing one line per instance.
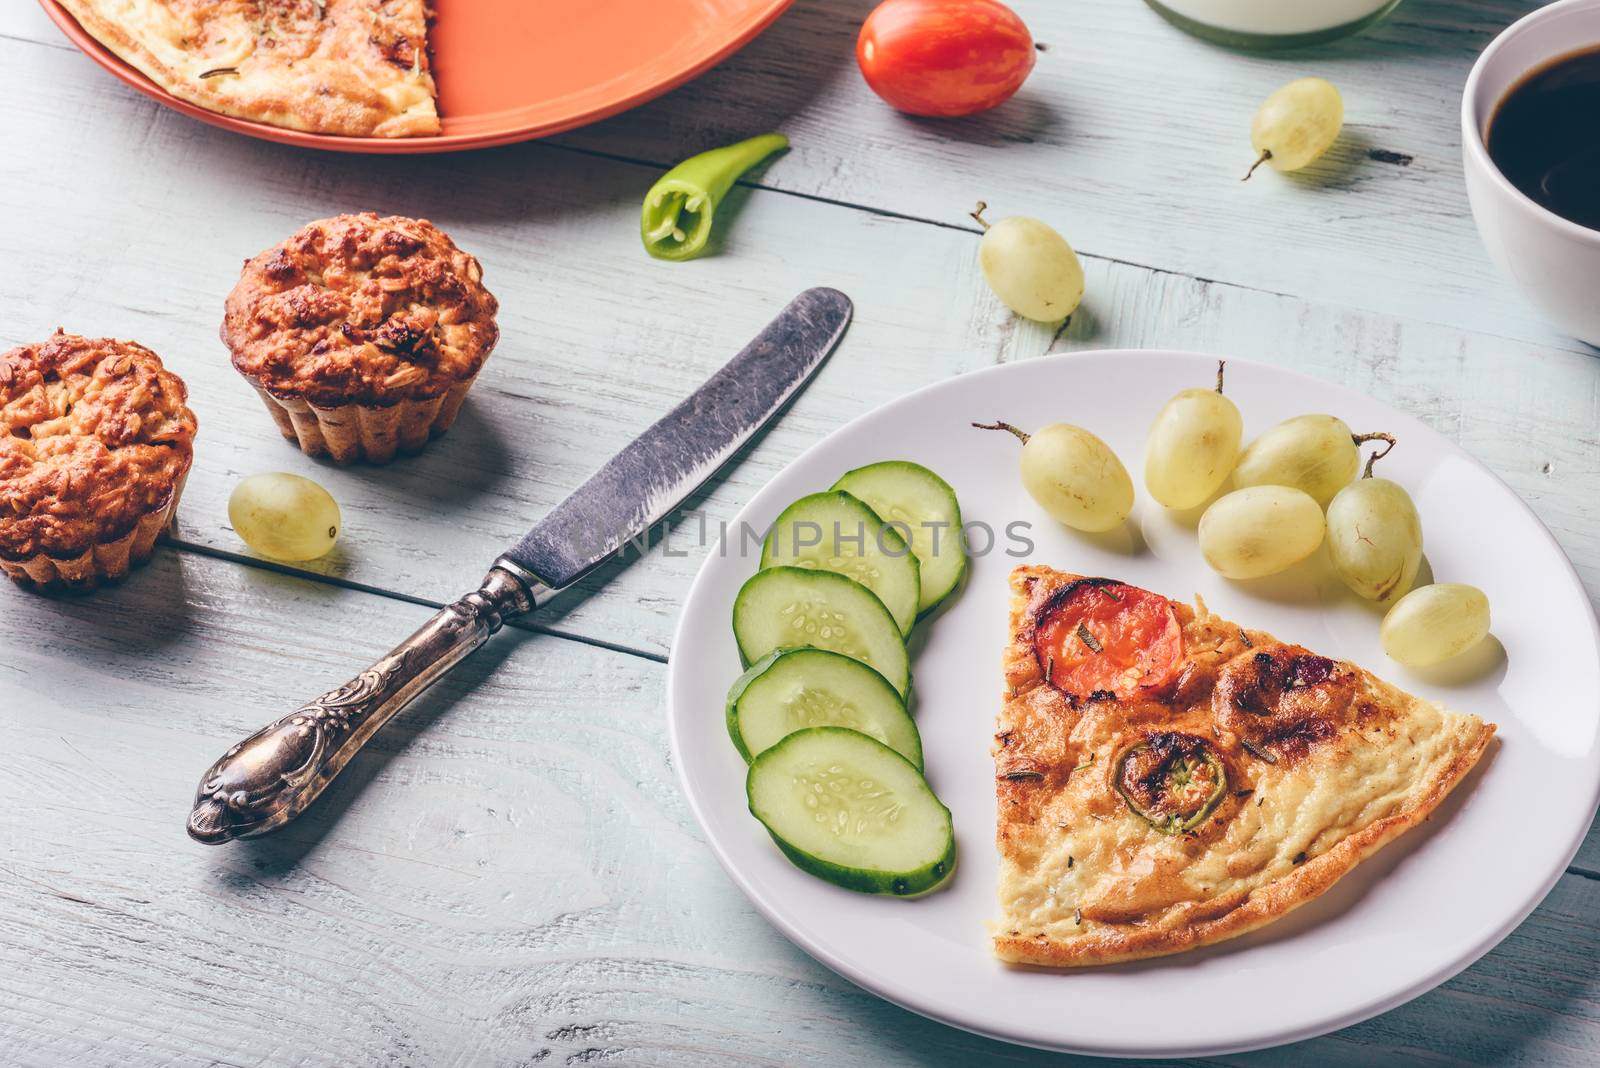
(1171, 780)
(676, 221)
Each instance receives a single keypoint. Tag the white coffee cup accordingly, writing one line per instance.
(1553, 261)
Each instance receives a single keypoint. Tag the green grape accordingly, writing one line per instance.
(284, 516)
(1313, 453)
(1260, 531)
(1296, 124)
(1073, 475)
(1375, 538)
(1435, 623)
(1192, 446)
(1030, 267)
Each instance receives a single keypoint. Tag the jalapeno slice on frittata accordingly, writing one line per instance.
(1171, 780)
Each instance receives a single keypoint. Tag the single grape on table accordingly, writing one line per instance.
(1259, 531)
(1073, 475)
(1296, 124)
(1435, 623)
(1030, 267)
(1192, 446)
(284, 516)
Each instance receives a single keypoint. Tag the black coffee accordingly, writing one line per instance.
(1545, 136)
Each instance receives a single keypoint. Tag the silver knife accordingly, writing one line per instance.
(272, 776)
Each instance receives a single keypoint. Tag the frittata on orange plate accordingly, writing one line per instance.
(358, 68)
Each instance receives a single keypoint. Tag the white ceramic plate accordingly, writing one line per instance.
(1406, 920)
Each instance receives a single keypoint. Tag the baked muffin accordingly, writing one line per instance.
(96, 439)
(361, 334)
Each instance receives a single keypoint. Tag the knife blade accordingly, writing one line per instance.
(269, 778)
(640, 485)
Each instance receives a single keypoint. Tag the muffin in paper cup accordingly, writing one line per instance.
(361, 334)
(96, 440)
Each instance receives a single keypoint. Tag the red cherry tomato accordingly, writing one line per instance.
(944, 57)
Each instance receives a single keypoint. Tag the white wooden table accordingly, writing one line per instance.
(509, 875)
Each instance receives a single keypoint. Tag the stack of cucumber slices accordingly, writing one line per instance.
(820, 713)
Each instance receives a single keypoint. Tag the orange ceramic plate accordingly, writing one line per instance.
(510, 70)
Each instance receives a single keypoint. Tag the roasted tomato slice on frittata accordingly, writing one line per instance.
(1097, 637)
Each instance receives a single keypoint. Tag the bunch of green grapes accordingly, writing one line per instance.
(1294, 488)
(1290, 491)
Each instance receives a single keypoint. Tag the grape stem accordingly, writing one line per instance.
(1377, 454)
(1022, 435)
(977, 213)
(1220, 365)
(1266, 154)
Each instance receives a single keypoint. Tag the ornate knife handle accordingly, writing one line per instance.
(272, 776)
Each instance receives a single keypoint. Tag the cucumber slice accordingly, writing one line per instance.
(792, 689)
(923, 507)
(834, 531)
(787, 607)
(851, 810)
